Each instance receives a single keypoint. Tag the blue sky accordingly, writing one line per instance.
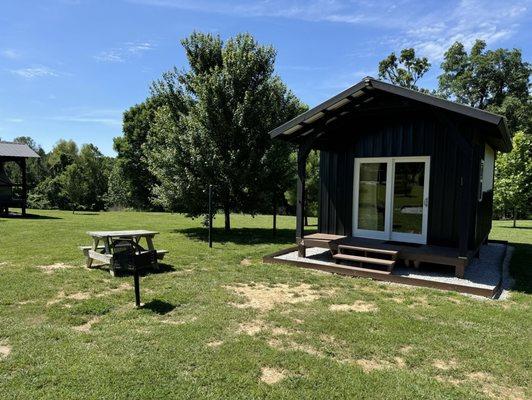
(69, 68)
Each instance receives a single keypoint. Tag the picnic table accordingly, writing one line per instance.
(103, 252)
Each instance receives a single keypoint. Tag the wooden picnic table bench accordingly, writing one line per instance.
(103, 252)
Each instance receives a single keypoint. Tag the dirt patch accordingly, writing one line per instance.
(251, 328)
(215, 343)
(50, 269)
(246, 262)
(271, 376)
(369, 365)
(357, 306)
(179, 321)
(265, 298)
(419, 301)
(488, 386)
(446, 379)
(86, 327)
(406, 349)
(5, 351)
(445, 365)
(372, 365)
(294, 346)
(3, 264)
(87, 295)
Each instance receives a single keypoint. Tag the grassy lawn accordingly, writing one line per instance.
(220, 324)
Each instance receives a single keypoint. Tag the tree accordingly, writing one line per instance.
(513, 179)
(494, 80)
(404, 71)
(131, 164)
(311, 184)
(214, 126)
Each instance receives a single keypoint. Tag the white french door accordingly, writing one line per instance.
(391, 198)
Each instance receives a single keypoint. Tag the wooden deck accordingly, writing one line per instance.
(408, 253)
(462, 286)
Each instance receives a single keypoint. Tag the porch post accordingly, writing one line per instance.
(24, 185)
(465, 209)
(302, 154)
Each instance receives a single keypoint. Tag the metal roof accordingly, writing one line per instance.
(303, 122)
(16, 150)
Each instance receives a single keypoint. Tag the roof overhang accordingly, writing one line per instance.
(16, 150)
(361, 92)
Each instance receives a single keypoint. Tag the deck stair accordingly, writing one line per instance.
(366, 256)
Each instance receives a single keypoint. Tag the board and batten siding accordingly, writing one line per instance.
(399, 136)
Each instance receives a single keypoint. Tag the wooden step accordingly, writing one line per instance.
(392, 253)
(365, 260)
(346, 269)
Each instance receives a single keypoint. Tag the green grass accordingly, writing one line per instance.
(74, 333)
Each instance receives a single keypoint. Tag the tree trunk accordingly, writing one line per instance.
(306, 220)
(227, 214)
(515, 216)
(274, 216)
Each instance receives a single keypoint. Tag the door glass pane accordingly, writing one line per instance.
(372, 196)
(408, 197)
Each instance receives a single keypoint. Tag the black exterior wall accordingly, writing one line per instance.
(449, 141)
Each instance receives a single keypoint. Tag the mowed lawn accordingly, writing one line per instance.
(218, 323)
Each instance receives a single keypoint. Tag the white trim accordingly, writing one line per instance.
(388, 233)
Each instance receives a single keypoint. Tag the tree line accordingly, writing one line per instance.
(208, 125)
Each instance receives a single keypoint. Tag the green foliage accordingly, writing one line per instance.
(77, 179)
(214, 127)
(311, 184)
(404, 71)
(513, 179)
(494, 80)
(131, 165)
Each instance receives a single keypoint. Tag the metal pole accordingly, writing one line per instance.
(210, 216)
(137, 287)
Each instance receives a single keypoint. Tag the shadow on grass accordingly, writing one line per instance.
(159, 307)
(517, 227)
(28, 216)
(163, 269)
(520, 267)
(241, 235)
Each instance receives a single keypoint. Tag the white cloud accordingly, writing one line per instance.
(14, 120)
(493, 21)
(122, 53)
(109, 117)
(34, 72)
(11, 54)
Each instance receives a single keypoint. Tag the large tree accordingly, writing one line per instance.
(494, 80)
(214, 126)
(404, 70)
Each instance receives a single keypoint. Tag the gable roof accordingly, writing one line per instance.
(294, 128)
(16, 150)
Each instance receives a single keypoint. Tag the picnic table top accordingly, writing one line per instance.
(131, 233)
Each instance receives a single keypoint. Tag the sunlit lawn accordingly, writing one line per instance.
(218, 323)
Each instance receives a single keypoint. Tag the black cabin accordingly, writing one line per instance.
(402, 167)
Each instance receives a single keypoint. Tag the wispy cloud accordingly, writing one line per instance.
(491, 21)
(122, 53)
(109, 117)
(14, 120)
(11, 54)
(34, 72)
